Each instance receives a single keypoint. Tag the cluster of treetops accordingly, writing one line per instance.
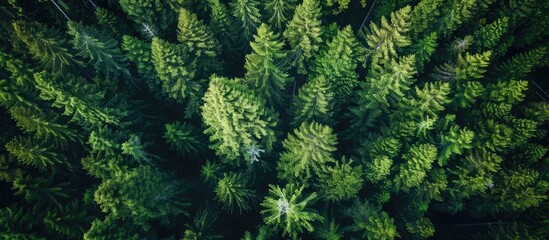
(274, 119)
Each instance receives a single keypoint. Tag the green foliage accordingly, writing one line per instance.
(201, 227)
(304, 34)
(455, 13)
(139, 52)
(340, 182)
(424, 49)
(177, 78)
(384, 39)
(101, 51)
(195, 35)
(247, 14)
(520, 189)
(454, 142)
(538, 111)
(112, 228)
(39, 190)
(430, 100)
(183, 138)
(149, 12)
(329, 231)
(236, 118)
(46, 45)
(373, 223)
(35, 153)
(45, 125)
(307, 151)
(262, 66)
(418, 161)
(422, 227)
(488, 36)
(511, 92)
(425, 15)
(142, 194)
(314, 102)
(471, 67)
(288, 210)
(467, 93)
(68, 220)
(339, 63)
(521, 64)
(279, 12)
(233, 191)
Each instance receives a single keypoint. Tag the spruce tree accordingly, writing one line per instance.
(304, 34)
(233, 191)
(247, 14)
(314, 102)
(236, 119)
(279, 12)
(195, 35)
(263, 69)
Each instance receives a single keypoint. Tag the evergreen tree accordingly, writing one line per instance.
(68, 220)
(262, 66)
(314, 102)
(425, 15)
(143, 194)
(339, 63)
(304, 34)
(383, 40)
(236, 118)
(46, 45)
(195, 35)
(148, 12)
(340, 182)
(183, 138)
(139, 52)
(287, 209)
(279, 12)
(307, 151)
(233, 191)
(487, 37)
(418, 160)
(101, 51)
(176, 68)
(36, 154)
(248, 16)
(224, 27)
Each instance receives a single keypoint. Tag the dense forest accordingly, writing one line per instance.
(274, 119)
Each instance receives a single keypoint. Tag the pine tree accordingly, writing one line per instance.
(454, 142)
(101, 51)
(236, 118)
(70, 220)
(521, 64)
(45, 125)
(314, 102)
(425, 15)
(202, 225)
(195, 35)
(287, 209)
(78, 99)
(184, 138)
(430, 100)
(487, 37)
(224, 27)
(339, 63)
(139, 52)
(37, 154)
(42, 191)
(455, 14)
(233, 191)
(340, 182)
(304, 34)
(307, 151)
(143, 194)
(248, 15)
(46, 45)
(470, 67)
(383, 40)
(176, 68)
(418, 161)
(424, 49)
(511, 92)
(372, 222)
(263, 70)
(467, 93)
(149, 12)
(422, 228)
(520, 189)
(112, 228)
(279, 12)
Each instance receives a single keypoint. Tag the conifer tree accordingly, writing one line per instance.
(224, 27)
(487, 37)
(279, 12)
(424, 49)
(139, 52)
(233, 191)
(511, 92)
(418, 160)
(287, 208)
(340, 182)
(454, 142)
(143, 194)
(247, 14)
(45, 125)
(262, 66)
(521, 64)
(425, 15)
(78, 99)
(372, 222)
(307, 151)
(339, 63)
(69, 220)
(236, 118)
(430, 99)
(454, 14)
(149, 12)
(195, 35)
(42, 191)
(383, 40)
(176, 68)
(314, 102)
(304, 34)
(184, 138)
(46, 45)
(36, 154)
(101, 51)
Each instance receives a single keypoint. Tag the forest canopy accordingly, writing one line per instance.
(274, 119)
